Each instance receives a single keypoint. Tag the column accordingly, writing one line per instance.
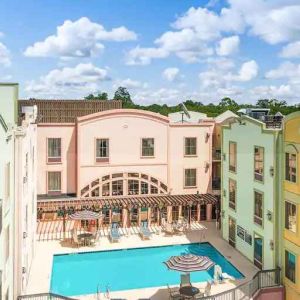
(208, 212)
(124, 218)
(149, 216)
(180, 211)
(198, 212)
(169, 214)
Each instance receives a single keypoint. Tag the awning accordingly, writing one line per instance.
(85, 215)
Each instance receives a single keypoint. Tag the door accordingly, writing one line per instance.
(258, 250)
(232, 231)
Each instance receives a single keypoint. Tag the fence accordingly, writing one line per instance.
(44, 296)
(246, 291)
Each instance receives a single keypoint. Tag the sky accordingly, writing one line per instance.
(162, 51)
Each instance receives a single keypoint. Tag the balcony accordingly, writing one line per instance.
(216, 183)
(216, 154)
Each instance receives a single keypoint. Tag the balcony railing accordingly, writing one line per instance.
(44, 296)
(262, 279)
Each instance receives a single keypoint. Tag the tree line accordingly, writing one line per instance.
(211, 109)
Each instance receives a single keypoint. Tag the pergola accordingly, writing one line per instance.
(119, 202)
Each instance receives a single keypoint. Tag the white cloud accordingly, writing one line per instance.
(291, 50)
(228, 46)
(130, 84)
(272, 91)
(80, 38)
(4, 55)
(285, 70)
(68, 82)
(143, 56)
(248, 71)
(171, 74)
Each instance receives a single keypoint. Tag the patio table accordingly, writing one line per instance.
(87, 236)
(189, 291)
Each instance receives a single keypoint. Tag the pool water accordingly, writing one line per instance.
(83, 273)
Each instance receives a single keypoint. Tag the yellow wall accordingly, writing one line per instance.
(291, 192)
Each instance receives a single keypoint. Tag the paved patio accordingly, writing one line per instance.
(40, 273)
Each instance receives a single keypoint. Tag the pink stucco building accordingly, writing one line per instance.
(103, 148)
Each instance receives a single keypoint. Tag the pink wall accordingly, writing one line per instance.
(67, 166)
(125, 128)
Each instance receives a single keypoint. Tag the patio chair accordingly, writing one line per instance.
(114, 233)
(207, 289)
(185, 280)
(174, 293)
(144, 231)
(76, 241)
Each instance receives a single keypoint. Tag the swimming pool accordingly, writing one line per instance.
(82, 273)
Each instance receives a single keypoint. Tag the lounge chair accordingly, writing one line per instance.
(217, 274)
(174, 293)
(144, 231)
(185, 280)
(114, 233)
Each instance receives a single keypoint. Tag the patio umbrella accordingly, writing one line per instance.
(85, 215)
(189, 263)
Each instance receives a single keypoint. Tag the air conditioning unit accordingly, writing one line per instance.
(23, 270)
(24, 235)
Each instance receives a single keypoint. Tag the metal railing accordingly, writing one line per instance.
(246, 291)
(44, 296)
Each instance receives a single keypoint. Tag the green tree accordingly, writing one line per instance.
(99, 96)
(122, 94)
(227, 102)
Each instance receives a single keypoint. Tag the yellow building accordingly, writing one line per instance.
(291, 206)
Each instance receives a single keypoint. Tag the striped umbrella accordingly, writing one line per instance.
(85, 215)
(189, 263)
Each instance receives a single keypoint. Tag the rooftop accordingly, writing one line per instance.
(66, 111)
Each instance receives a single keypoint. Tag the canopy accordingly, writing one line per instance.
(85, 215)
(189, 263)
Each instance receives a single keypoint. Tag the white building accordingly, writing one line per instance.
(17, 193)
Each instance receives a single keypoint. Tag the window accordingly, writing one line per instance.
(231, 231)
(291, 167)
(290, 216)
(190, 178)
(290, 266)
(144, 187)
(154, 189)
(133, 187)
(102, 150)
(148, 147)
(54, 150)
(258, 163)
(232, 156)
(105, 189)
(54, 182)
(232, 194)
(190, 146)
(117, 188)
(258, 208)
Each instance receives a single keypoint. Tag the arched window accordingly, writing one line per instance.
(124, 184)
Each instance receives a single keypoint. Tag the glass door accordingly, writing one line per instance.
(258, 250)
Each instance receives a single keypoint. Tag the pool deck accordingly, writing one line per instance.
(40, 273)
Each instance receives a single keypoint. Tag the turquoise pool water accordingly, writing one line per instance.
(81, 273)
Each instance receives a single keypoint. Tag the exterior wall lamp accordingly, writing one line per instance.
(269, 215)
(272, 171)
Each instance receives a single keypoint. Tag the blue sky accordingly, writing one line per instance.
(163, 51)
